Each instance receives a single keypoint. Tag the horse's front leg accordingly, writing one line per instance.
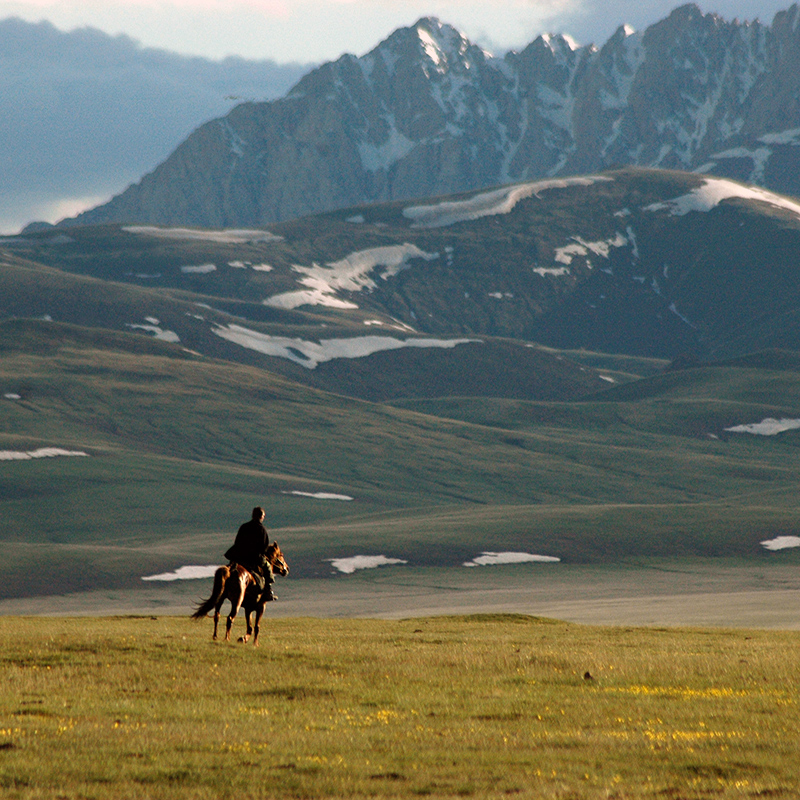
(246, 638)
(257, 626)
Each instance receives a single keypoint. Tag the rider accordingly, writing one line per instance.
(249, 550)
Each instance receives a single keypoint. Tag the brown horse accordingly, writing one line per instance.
(236, 584)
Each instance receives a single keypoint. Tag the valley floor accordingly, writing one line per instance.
(677, 593)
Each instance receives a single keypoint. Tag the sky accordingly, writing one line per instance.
(320, 30)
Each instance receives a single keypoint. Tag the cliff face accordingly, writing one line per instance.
(429, 113)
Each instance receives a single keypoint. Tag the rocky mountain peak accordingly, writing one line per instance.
(440, 43)
(787, 23)
(561, 45)
(436, 47)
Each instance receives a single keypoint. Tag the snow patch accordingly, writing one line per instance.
(321, 495)
(781, 542)
(350, 274)
(375, 157)
(564, 255)
(350, 565)
(713, 191)
(767, 427)
(310, 354)
(12, 396)
(157, 331)
(674, 309)
(785, 137)
(42, 452)
(184, 574)
(432, 49)
(487, 559)
(199, 269)
(759, 157)
(634, 243)
(225, 236)
(555, 271)
(485, 204)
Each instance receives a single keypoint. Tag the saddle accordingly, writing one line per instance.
(259, 582)
(256, 575)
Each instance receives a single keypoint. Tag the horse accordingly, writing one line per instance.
(235, 583)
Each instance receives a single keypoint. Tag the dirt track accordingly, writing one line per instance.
(696, 593)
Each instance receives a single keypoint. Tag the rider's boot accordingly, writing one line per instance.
(270, 579)
(258, 578)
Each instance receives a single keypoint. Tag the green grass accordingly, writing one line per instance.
(181, 447)
(484, 706)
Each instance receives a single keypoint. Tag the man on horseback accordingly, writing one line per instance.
(249, 550)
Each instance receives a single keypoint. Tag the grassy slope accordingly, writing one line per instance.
(492, 367)
(728, 272)
(473, 707)
(182, 446)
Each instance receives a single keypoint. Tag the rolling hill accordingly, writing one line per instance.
(641, 262)
(597, 370)
(123, 456)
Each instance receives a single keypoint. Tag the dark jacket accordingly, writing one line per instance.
(249, 546)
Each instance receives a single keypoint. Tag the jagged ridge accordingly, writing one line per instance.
(429, 113)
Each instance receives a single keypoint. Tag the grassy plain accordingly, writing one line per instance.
(482, 706)
(181, 446)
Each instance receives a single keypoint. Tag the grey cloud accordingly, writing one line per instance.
(84, 113)
(594, 22)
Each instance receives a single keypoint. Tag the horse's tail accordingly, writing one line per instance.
(220, 576)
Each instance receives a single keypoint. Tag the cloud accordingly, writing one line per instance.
(85, 114)
(591, 22)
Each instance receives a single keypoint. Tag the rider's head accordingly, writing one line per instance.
(258, 513)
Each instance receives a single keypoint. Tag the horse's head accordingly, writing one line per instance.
(276, 559)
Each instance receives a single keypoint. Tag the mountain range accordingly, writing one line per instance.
(429, 113)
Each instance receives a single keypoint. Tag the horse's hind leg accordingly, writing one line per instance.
(216, 619)
(235, 606)
(229, 623)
